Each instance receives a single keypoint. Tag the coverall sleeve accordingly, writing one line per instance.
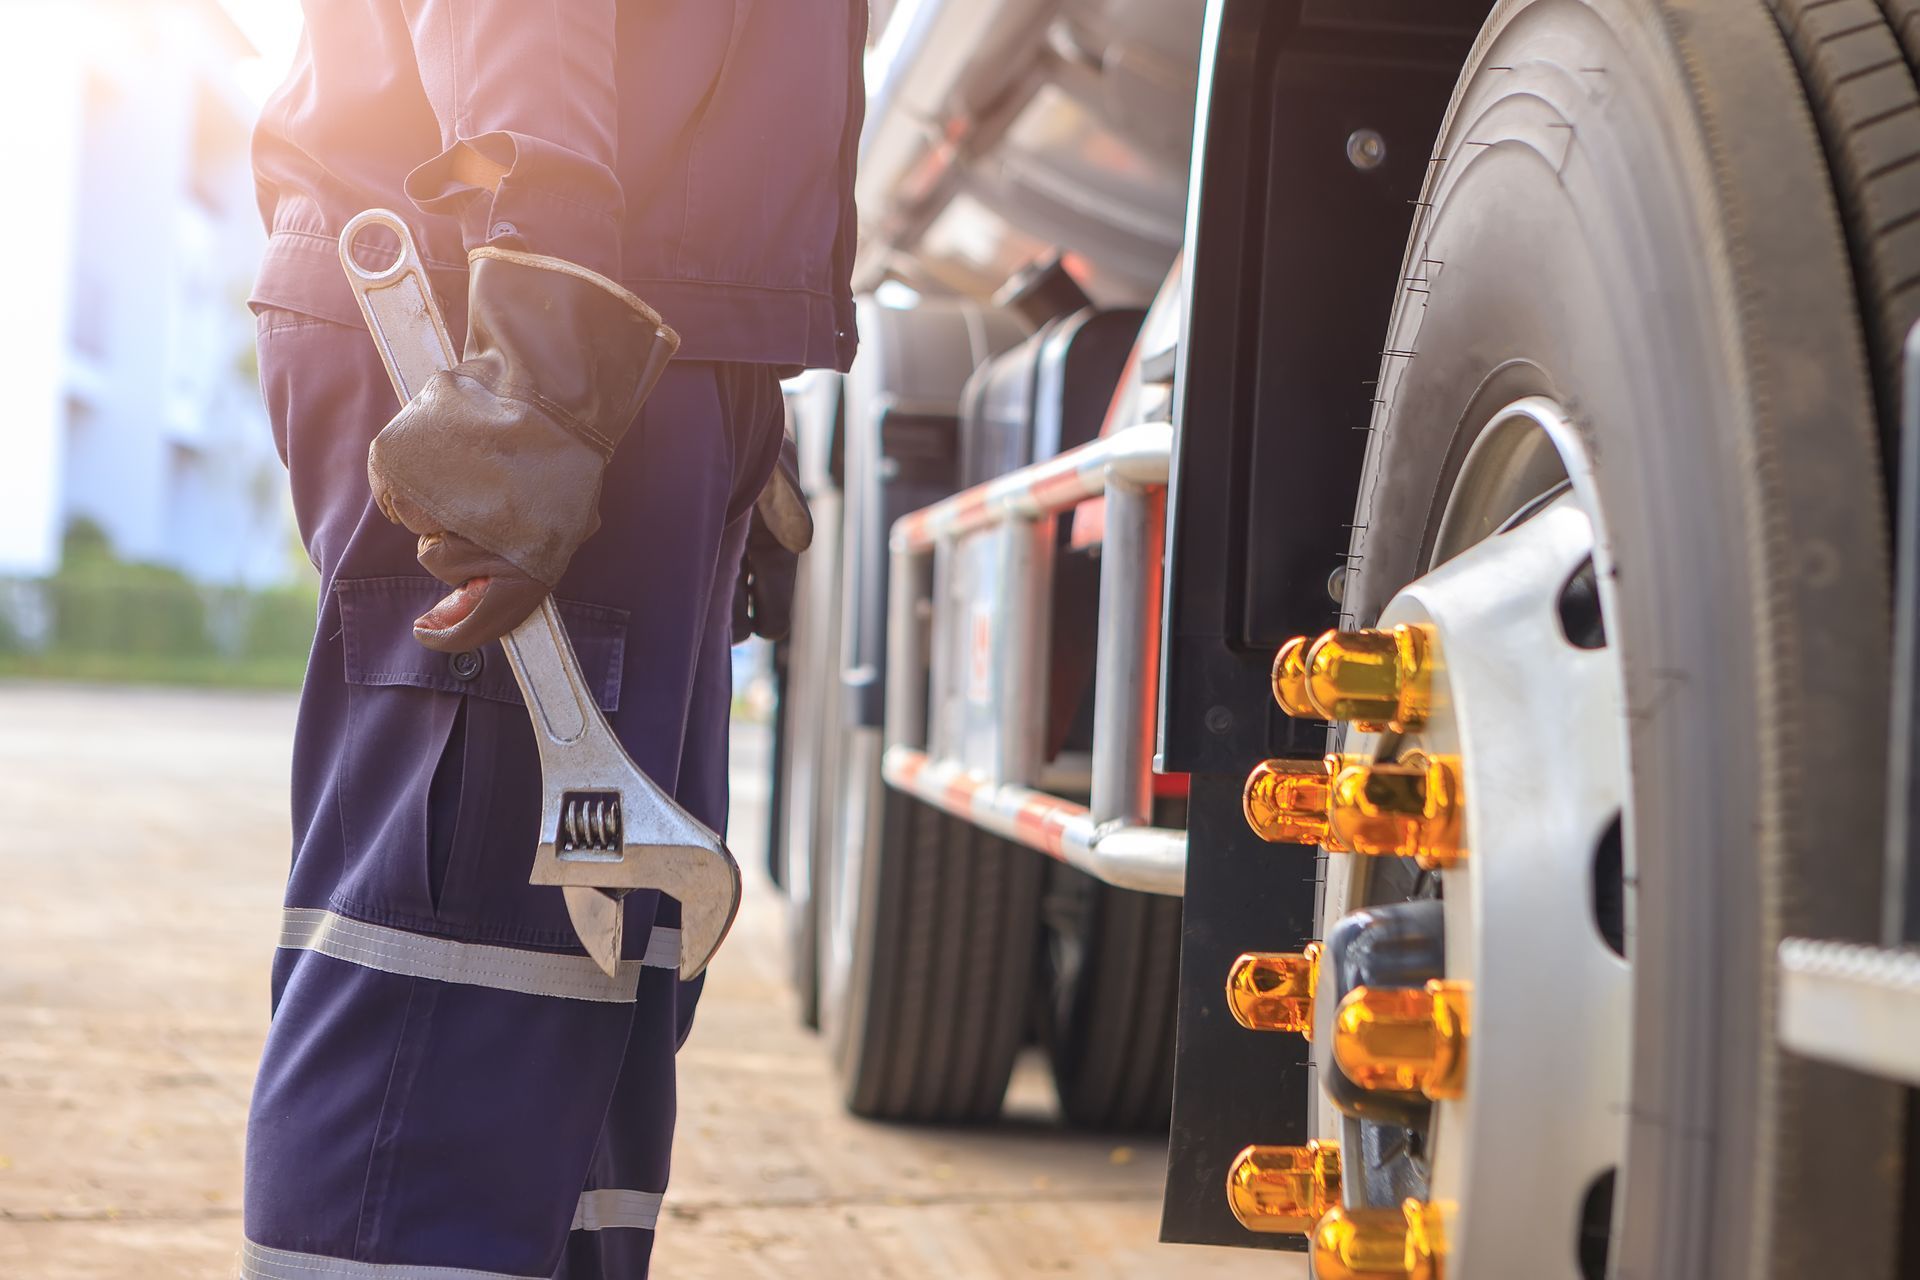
(525, 95)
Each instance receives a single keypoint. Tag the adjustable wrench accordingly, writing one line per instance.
(604, 826)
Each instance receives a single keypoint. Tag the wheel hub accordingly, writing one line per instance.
(1485, 744)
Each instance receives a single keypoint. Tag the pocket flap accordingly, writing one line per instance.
(376, 625)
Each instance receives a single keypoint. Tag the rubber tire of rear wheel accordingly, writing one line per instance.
(781, 744)
(1629, 211)
(1113, 987)
(936, 1002)
(1860, 85)
(803, 915)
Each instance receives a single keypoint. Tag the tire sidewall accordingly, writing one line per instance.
(1577, 242)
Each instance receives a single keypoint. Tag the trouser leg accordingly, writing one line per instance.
(614, 1231)
(443, 1058)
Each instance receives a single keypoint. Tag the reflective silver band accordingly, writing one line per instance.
(257, 1262)
(663, 948)
(418, 955)
(610, 1208)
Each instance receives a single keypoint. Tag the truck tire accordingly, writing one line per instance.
(930, 928)
(810, 705)
(927, 927)
(1857, 60)
(810, 732)
(1630, 211)
(778, 767)
(791, 856)
(1112, 963)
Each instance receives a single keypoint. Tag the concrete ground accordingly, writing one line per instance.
(143, 838)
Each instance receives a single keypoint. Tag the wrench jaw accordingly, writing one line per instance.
(660, 846)
(708, 890)
(599, 921)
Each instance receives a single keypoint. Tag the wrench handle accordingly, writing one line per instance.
(407, 327)
(548, 672)
(398, 304)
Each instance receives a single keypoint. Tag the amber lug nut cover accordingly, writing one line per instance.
(1290, 679)
(1285, 801)
(1377, 679)
(1405, 1039)
(1411, 809)
(1374, 1244)
(1360, 1244)
(1273, 991)
(1284, 1189)
(1426, 1240)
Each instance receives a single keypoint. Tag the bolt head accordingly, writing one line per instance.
(1366, 149)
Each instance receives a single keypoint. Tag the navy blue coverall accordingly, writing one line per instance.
(451, 1089)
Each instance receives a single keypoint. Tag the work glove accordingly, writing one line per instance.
(496, 464)
(780, 528)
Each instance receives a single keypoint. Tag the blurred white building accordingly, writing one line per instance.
(131, 237)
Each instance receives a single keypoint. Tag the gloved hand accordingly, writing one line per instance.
(780, 529)
(496, 464)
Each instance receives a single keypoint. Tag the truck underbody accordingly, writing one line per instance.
(1355, 605)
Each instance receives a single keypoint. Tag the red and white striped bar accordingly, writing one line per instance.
(1138, 455)
(1149, 859)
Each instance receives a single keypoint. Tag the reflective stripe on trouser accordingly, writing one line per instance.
(601, 1210)
(419, 955)
(449, 1087)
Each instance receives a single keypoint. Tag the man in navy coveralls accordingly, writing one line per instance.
(451, 1089)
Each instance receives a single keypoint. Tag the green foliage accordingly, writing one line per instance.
(85, 543)
(129, 611)
(211, 670)
(112, 619)
(280, 622)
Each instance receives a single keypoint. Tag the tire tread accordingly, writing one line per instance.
(956, 922)
(1857, 60)
(1110, 1037)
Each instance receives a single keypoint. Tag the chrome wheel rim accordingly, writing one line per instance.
(1521, 1164)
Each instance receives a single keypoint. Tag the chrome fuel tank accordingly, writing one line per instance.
(1002, 130)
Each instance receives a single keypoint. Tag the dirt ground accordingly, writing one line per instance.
(143, 838)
